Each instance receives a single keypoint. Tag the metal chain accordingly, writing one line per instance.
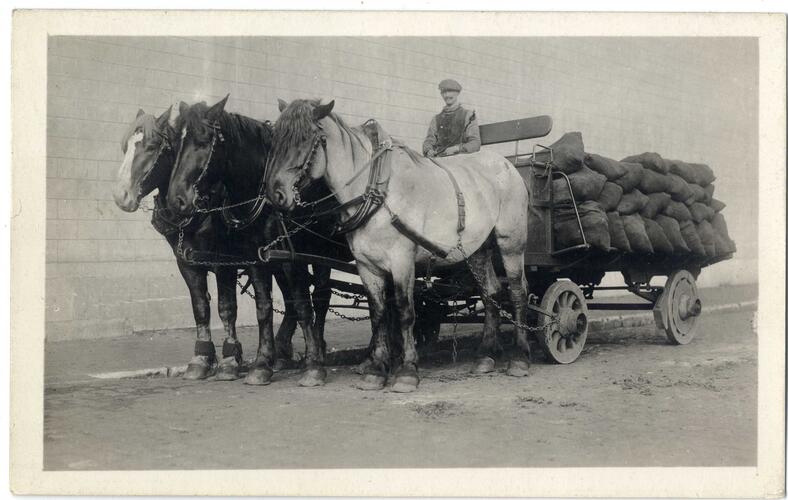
(504, 313)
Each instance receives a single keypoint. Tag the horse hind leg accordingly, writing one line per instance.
(261, 371)
(520, 363)
(232, 351)
(315, 372)
(407, 375)
(375, 372)
(284, 335)
(203, 362)
(481, 266)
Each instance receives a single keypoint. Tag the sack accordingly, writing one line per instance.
(699, 193)
(567, 153)
(608, 167)
(709, 192)
(561, 191)
(691, 237)
(610, 196)
(631, 179)
(722, 245)
(694, 173)
(566, 230)
(653, 182)
(632, 203)
(651, 161)
(706, 233)
(656, 204)
(636, 234)
(700, 212)
(679, 188)
(618, 236)
(586, 184)
(703, 173)
(678, 211)
(720, 226)
(716, 205)
(672, 230)
(659, 241)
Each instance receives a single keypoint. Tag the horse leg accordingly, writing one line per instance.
(520, 363)
(403, 278)
(374, 374)
(204, 359)
(299, 281)
(321, 300)
(481, 266)
(284, 335)
(232, 352)
(261, 371)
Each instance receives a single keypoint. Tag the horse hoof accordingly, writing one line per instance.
(313, 378)
(483, 365)
(198, 369)
(228, 370)
(258, 376)
(518, 368)
(361, 368)
(405, 384)
(372, 382)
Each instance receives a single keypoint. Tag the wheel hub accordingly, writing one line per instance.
(571, 322)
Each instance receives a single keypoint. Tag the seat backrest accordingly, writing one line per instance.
(515, 130)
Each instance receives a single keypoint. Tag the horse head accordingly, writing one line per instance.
(148, 156)
(296, 159)
(200, 137)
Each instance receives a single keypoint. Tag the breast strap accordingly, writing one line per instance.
(458, 194)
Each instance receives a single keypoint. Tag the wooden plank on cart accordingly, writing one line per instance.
(516, 130)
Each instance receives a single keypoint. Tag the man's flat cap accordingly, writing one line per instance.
(449, 84)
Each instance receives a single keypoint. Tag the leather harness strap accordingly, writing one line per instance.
(458, 194)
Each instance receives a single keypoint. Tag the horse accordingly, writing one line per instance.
(409, 205)
(149, 146)
(231, 150)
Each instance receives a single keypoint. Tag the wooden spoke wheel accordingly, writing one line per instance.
(564, 339)
(677, 310)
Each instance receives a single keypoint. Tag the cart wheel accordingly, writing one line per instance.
(678, 308)
(564, 340)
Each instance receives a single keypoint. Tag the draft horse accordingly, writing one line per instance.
(228, 149)
(404, 204)
(149, 146)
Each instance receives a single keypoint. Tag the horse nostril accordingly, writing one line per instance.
(180, 203)
(279, 197)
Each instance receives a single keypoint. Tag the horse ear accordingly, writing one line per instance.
(215, 111)
(140, 113)
(183, 108)
(282, 104)
(163, 118)
(322, 110)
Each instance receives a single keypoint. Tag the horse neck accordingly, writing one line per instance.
(347, 151)
(246, 146)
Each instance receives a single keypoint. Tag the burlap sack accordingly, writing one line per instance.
(700, 212)
(699, 193)
(631, 179)
(636, 234)
(703, 173)
(659, 241)
(709, 192)
(679, 188)
(672, 230)
(656, 204)
(586, 184)
(618, 236)
(561, 191)
(719, 225)
(706, 233)
(694, 173)
(594, 221)
(653, 182)
(722, 245)
(678, 211)
(610, 196)
(608, 167)
(651, 161)
(691, 237)
(567, 153)
(632, 202)
(716, 205)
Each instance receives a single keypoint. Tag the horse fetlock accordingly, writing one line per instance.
(232, 349)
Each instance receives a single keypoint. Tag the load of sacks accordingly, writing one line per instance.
(640, 204)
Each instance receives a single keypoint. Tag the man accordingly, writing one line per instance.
(455, 129)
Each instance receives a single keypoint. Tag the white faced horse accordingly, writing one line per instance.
(311, 142)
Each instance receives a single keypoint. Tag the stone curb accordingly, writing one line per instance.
(356, 355)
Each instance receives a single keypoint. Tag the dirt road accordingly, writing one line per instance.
(630, 400)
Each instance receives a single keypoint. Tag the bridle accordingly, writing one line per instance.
(319, 141)
(200, 202)
(165, 146)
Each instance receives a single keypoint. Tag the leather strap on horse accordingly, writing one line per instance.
(458, 194)
(415, 237)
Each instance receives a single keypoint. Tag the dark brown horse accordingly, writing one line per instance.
(230, 150)
(150, 146)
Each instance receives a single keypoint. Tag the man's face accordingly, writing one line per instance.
(450, 97)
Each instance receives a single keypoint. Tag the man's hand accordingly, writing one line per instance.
(451, 150)
(430, 153)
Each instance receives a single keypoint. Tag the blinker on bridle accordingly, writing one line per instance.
(201, 202)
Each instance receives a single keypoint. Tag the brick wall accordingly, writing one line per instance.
(109, 273)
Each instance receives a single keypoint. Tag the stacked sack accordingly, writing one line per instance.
(641, 204)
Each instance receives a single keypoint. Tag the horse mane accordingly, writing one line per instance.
(236, 128)
(296, 123)
(146, 123)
